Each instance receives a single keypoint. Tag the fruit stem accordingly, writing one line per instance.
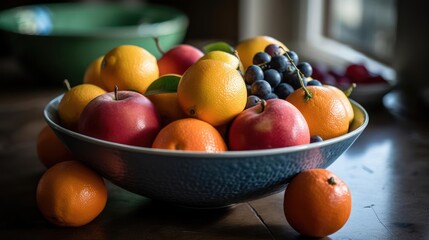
(331, 181)
(349, 90)
(263, 105)
(67, 83)
(115, 91)
(236, 54)
(239, 60)
(300, 74)
(158, 45)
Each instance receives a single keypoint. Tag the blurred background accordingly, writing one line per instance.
(384, 34)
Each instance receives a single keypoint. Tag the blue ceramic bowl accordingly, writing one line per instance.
(202, 180)
(58, 41)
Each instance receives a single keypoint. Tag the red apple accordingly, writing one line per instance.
(357, 73)
(274, 123)
(178, 59)
(125, 117)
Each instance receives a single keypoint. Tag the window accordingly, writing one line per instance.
(365, 25)
(341, 31)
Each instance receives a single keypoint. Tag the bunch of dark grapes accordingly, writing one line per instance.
(274, 75)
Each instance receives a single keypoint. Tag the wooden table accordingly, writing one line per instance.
(387, 170)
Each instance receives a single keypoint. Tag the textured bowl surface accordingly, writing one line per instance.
(58, 41)
(201, 180)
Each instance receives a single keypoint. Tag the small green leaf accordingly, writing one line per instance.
(220, 46)
(165, 84)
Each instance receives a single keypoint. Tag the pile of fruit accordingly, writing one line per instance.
(256, 95)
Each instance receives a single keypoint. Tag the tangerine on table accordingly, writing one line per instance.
(324, 111)
(74, 101)
(50, 149)
(247, 48)
(190, 134)
(71, 194)
(129, 67)
(317, 203)
(212, 91)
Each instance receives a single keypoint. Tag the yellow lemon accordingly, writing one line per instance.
(74, 101)
(212, 91)
(224, 57)
(247, 48)
(129, 67)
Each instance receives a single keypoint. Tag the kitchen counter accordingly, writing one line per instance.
(386, 169)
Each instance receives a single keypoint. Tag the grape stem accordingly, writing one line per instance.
(300, 75)
(263, 65)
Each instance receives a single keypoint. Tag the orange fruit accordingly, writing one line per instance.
(92, 73)
(167, 106)
(50, 149)
(317, 203)
(212, 91)
(71, 194)
(247, 48)
(324, 112)
(345, 100)
(224, 57)
(74, 101)
(129, 67)
(190, 134)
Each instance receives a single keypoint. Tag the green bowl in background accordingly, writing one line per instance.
(58, 41)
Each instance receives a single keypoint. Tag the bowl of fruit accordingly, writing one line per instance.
(200, 138)
(58, 40)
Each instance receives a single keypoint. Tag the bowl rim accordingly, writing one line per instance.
(178, 23)
(192, 154)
